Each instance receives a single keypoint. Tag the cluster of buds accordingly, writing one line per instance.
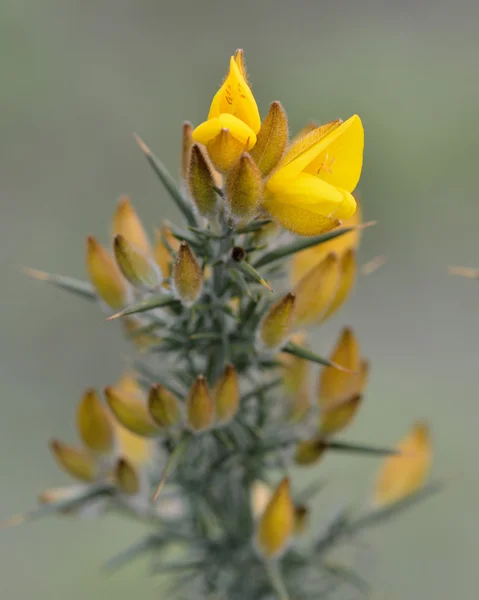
(220, 406)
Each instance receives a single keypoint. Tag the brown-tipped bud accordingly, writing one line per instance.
(163, 406)
(164, 240)
(126, 477)
(309, 451)
(131, 412)
(78, 463)
(105, 276)
(187, 276)
(186, 144)
(337, 417)
(244, 188)
(272, 139)
(316, 291)
(347, 269)
(94, 423)
(199, 406)
(225, 150)
(201, 182)
(301, 514)
(136, 265)
(276, 525)
(336, 386)
(227, 396)
(127, 223)
(276, 325)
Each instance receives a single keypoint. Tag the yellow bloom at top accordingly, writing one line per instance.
(310, 190)
(233, 120)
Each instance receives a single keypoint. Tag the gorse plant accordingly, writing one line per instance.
(201, 437)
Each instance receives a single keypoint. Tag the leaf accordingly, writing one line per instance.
(169, 183)
(133, 551)
(253, 226)
(145, 305)
(250, 272)
(306, 242)
(75, 286)
(360, 449)
(307, 354)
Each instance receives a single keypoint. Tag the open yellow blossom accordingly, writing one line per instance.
(311, 189)
(233, 120)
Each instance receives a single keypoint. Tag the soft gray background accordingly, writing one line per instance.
(77, 78)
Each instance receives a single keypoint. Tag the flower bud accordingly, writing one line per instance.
(403, 474)
(201, 182)
(309, 451)
(276, 325)
(140, 335)
(163, 406)
(336, 417)
(316, 291)
(271, 140)
(78, 463)
(186, 144)
(276, 525)
(127, 224)
(199, 406)
(227, 396)
(94, 423)
(187, 275)
(106, 276)
(126, 477)
(244, 188)
(225, 150)
(131, 412)
(136, 265)
(347, 278)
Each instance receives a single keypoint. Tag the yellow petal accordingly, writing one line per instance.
(337, 386)
(276, 525)
(303, 261)
(227, 396)
(337, 417)
(309, 452)
(163, 406)
(127, 223)
(199, 406)
(126, 477)
(404, 474)
(301, 220)
(105, 276)
(316, 291)
(347, 268)
(271, 140)
(78, 463)
(341, 159)
(131, 412)
(276, 325)
(187, 275)
(94, 423)
(244, 188)
(235, 98)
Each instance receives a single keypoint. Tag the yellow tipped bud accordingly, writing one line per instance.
(126, 477)
(403, 474)
(334, 418)
(106, 276)
(94, 423)
(186, 144)
(199, 406)
(78, 463)
(131, 412)
(163, 406)
(276, 525)
(301, 514)
(161, 251)
(201, 182)
(347, 268)
(276, 325)
(272, 139)
(316, 291)
(337, 386)
(309, 451)
(187, 275)
(136, 265)
(126, 223)
(244, 188)
(227, 396)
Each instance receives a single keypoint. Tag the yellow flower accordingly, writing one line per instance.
(310, 190)
(276, 524)
(405, 473)
(233, 120)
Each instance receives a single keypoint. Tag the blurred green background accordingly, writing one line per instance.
(78, 78)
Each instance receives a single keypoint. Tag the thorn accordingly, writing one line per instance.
(144, 148)
(467, 272)
(14, 520)
(365, 225)
(35, 273)
(373, 265)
